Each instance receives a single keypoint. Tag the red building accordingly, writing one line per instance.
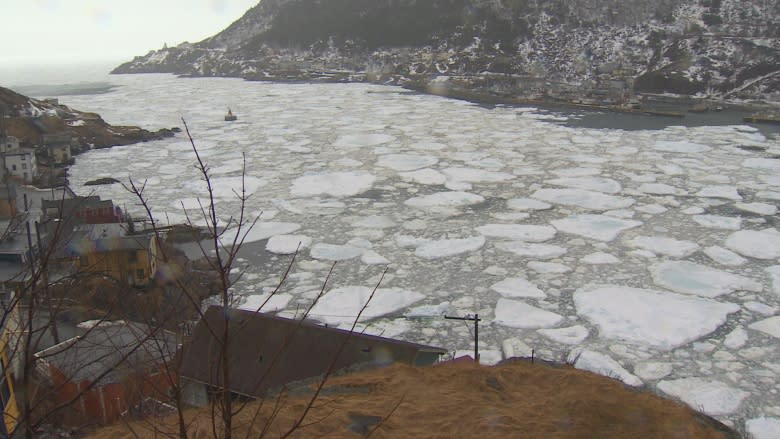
(83, 210)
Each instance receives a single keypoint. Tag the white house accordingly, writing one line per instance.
(9, 143)
(21, 164)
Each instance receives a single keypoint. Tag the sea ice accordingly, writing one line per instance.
(548, 267)
(665, 246)
(374, 222)
(449, 247)
(266, 302)
(757, 208)
(769, 326)
(287, 244)
(658, 189)
(517, 287)
(763, 428)
(335, 184)
(601, 364)
(598, 184)
(653, 370)
(331, 252)
(260, 231)
(406, 162)
(362, 140)
(527, 204)
(691, 278)
(711, 397)
(582, 198)
(724, 256)
(474, 175)
(649, 317)
(598, 227)
(736, 338)
(518, 232)
(572, 335)
(444, 199)
(718, 222)
(763, 244)
(515, 314)
(774, 273)
(576, 172)
(341, 305)
(600, 258)
(762, 163)
(538, 251)
(681, 146)
(370, 257)
(727, 192)
(428, 311)
(425, 176)
(760, 308)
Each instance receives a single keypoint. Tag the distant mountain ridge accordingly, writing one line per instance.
(717, 48)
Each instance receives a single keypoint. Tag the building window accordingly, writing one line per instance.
(13, 167)
(24, 165)
(24, 157)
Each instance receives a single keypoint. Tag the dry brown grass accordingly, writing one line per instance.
(464, 400)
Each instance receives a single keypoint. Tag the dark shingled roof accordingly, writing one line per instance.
(267, 352)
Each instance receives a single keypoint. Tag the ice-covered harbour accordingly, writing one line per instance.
(654, 254)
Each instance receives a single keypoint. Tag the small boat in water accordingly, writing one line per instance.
(230, 117)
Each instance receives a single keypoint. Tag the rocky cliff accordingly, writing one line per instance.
(714, 48)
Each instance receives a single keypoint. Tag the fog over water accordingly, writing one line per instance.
(654, 254)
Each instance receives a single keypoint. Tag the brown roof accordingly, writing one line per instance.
(267, 352)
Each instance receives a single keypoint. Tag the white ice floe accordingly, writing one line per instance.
(762, 163)
(517, 287)
(724, 256)
(650, 317)
(658, 189)
(598, 184)
(331, 252)
(653, 370)
(601, 364)
(548, 267)
(760, 308)
(769, 326)
(538, 251)
(449, 247)
(718, 222)
(444, 199)
(760, 244)
(517, 232)
(228, 187)
(527, 204)
(652, 209)
(476, 175)
(763, 428)
(406, 162)
(370, 257)
(516, 314)
(582, 198)
(428, 311)
(600, 258)
(335, 184)
(722, 191)
(514, 347)
(572, 335)
(664, 245)
(691, 278)
(598, 227)
(681, 146)
(757, 208)
(374, 222)
(712, 397)
(266, 302)
(576, 172)
(362, 140)
(774, 273)
(341, 305)
(736, 338)
(259, 232)
(287, 244)
(425, 176)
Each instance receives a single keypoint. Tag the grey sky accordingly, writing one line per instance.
(63, 31)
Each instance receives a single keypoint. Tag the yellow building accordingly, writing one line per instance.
(7, 395)
(109, 250)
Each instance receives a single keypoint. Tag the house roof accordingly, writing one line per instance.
(100, 238)
(110, 349)
(267, 352)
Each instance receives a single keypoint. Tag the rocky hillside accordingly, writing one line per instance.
(28, 119)
(715, 48)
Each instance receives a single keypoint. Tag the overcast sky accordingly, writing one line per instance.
(62, 31)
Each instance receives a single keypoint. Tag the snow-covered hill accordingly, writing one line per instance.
(715, 48)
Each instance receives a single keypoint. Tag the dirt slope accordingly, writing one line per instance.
(518, 400)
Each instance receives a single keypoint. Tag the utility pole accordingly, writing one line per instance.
(475, 318)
